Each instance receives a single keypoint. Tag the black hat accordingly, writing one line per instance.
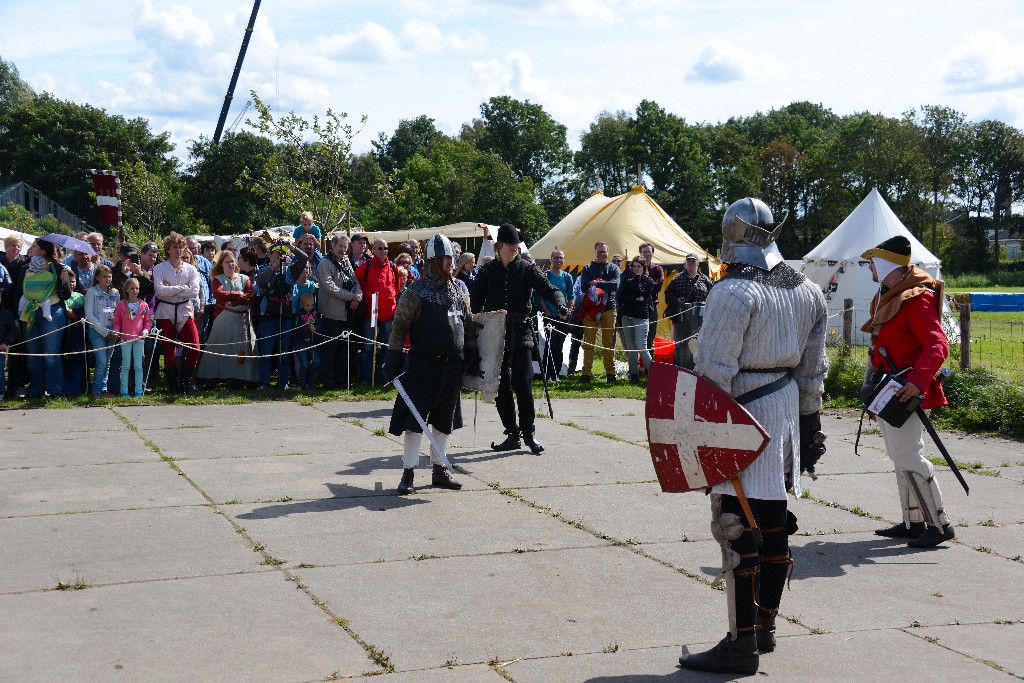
(895, 250)
(508, 234)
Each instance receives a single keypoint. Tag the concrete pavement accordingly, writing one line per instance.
(265, 542)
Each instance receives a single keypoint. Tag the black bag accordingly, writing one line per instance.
(882, 401)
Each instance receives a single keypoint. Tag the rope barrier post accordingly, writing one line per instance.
(348, 372)
(965, 336)
(847, 326)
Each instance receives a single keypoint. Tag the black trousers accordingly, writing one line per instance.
(559, 330)
(334, 360)
(517, 377)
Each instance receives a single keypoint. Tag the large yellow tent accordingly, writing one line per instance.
(624, 222)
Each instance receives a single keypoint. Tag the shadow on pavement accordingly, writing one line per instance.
(345, 498)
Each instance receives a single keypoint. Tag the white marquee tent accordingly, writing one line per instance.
(836, 265)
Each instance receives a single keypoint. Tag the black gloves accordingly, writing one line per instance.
(473, 362)
(812, 441)
(393, 364)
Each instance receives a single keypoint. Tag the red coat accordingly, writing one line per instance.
(379, 279)
(914, 338)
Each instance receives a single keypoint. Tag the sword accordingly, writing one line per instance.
(422, 423)
(929, 427)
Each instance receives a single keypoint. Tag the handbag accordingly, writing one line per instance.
(883, 403)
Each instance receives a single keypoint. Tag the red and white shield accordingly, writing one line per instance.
(699, 435)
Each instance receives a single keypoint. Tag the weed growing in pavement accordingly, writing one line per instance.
(380, 431)
(77, 585)
(611, 649)
(272, 561)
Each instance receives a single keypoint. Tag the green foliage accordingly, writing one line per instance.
(844, 380)
(213, 193)
(50, 144)
(412, 137)
(16, 217)
(980, 401)
(14, 92)
(985, 280)
(47, 225)
(308, 168)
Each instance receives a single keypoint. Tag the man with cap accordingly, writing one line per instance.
(906, 332)
(684, 304)
(507, 283)
(763, 342)
(434, 315)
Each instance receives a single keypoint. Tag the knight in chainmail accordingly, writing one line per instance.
(434, 314)
(763, 341)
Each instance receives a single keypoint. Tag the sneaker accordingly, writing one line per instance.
(584, 379)
(124, 394)
(610, 378)
(139, 395)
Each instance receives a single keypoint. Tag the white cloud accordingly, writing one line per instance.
(176, 36)
(985, 61)
(722, 62)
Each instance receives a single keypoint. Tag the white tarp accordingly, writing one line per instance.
(836, 266)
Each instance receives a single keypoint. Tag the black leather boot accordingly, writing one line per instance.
(405, 486)
(171, 375)
(932, 536)
(901, 530)
(729, 656)
(764, 631)
(442, 478)
(188, 383)
(535, 446)
(511, 442)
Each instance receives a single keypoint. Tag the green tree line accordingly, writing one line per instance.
(949, 179)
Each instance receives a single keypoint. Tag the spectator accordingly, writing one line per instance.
(132, 322)
(304, 335)
(70, 258)
(84, 269)
(415, 251)
(403, 256)
(306, 226)
(604, 276)
(360, 250)
(575, 326)
(274, 331)
(100, 305)
(636, 296)
(308, 244)
(45, 370)
(259, 247)
(15, 263)
(684, 305)
(657, 275)
(377, 276)
(340, 293)
(149, 256)
(8, 336)
(95, 240)
(466, 269)
(177, 285)
(204, 266)
(557, 328)
(73, 345)
(230, 344)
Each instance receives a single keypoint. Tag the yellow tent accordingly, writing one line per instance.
(624, 222)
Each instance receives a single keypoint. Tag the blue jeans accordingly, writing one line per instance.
(635, 332)
(101, 352)
(46, 372)
(131, 355)
(383, 334)
(270, 340)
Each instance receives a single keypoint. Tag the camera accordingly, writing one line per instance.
(134, 258)
(282, 247)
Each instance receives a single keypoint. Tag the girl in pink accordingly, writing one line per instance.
(132, 322)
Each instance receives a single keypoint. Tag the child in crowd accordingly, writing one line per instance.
(37, 292)
(100, 304)
(132, 322)
(305, 329)
(8, 335)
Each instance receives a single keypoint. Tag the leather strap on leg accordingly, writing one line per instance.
(746, 510)
(782, 559)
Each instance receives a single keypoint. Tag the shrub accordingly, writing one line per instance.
(845, 377)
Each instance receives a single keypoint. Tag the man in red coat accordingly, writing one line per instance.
(906, 321)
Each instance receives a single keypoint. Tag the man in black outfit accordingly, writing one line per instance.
(507, 283)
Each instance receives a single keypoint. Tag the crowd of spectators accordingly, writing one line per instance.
(264, 308)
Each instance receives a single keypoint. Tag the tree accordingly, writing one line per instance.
(944, 143)
(603, 160)
(16, 217)
(51, 144)
(410, 138)
(14, 92)
(144, 198)
(308, 169)
(532, 143)
(212, 191)
(998, 161)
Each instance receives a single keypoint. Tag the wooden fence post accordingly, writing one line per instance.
(847, 326)
(965, 335)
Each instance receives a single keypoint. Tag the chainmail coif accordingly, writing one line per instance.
(436, 288)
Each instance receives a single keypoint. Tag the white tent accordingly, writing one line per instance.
(836, 266)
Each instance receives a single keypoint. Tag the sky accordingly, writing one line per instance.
(170, 61)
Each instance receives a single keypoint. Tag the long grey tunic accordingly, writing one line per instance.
(758, 320)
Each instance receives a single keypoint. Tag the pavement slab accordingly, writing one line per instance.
(50, 490)
(119, 547)
(442, 582)
(200, 629)
(352, 530)
(538, 604)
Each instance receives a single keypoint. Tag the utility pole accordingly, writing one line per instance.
(234, 75)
